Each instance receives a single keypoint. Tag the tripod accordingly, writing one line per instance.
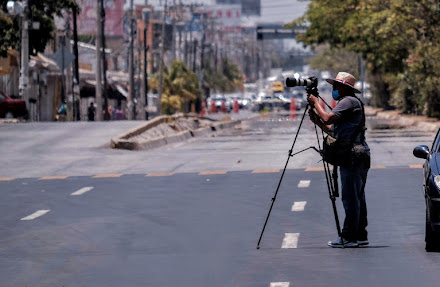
(331, 179)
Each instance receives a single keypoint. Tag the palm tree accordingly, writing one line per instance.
(181, 86)
(228, 79)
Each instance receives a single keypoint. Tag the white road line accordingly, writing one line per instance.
(279, 284)
(290, 240)
(82, 190)
(299, 205)
(35, 214)
(304, 183)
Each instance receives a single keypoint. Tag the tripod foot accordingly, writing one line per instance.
(258, 247)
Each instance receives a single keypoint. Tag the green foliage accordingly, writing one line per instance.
(181, 85)
(229, 79)
(398, 39)
(7, 34)
(42, 11)
(335, 60)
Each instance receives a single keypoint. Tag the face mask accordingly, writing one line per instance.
(335, 95)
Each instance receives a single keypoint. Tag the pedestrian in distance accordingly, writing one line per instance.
(91, 112)
(346, 123)
(62, 112)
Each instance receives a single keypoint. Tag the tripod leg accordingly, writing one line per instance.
(282, 175)
(330, 187)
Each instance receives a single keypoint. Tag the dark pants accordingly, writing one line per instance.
(353, 180)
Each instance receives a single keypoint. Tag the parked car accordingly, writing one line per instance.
(299, 101)
(431, 189)
(12, 108)
(270, 102)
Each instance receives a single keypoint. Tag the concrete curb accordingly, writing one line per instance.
(9, 121)
(123, 141)
(420, 122)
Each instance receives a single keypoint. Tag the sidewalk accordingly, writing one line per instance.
(421, 122)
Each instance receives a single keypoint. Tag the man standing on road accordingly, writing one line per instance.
(347, 122)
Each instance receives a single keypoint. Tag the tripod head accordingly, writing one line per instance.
(313, 88)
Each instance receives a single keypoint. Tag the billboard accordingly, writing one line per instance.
(248, 7)
(114, 17)
(228, 17)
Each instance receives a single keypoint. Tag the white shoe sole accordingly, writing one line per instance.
(348, 245)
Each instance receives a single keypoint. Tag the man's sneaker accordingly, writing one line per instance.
(338, 243)
(363, 242)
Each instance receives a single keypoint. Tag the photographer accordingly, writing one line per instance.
(346, 123)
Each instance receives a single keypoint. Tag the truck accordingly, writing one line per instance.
(15, 108)
(277, 87)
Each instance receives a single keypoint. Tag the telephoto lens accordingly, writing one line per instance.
(293, 82)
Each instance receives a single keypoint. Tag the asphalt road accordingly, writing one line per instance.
(75, 149)
(201, 230)
(198, 224)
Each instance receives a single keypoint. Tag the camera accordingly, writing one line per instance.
(311, 82)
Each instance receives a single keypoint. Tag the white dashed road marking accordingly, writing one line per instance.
(36, 214)
(82, 190)
(290, 240)
(279, 284)
(304, 183)
(299, 205)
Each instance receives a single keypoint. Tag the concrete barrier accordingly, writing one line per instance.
(123, 141)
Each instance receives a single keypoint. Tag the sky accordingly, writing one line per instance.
(271, 10)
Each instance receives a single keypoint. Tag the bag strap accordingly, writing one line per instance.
(361, 127)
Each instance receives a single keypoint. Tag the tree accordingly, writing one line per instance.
(335, 60)
(42, 11)
(229, 79)
(382, 32)
(181, 86)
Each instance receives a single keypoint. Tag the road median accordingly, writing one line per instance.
(165, 130)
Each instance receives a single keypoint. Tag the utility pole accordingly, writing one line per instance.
(76, 89)
(104, 63)
(63, 86)
(194, 55)
(161, 61)
(69, 77)
(144, 84)
(202, 62)
(173, 35)
(24, 75)
(131, 65)
(98, 43)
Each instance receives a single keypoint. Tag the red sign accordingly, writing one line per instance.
(114, 15)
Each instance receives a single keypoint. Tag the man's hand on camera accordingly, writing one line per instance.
(313, 116)
(312, 100)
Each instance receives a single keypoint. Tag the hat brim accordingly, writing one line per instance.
(332, 82)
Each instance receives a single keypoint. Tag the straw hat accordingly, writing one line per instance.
(345, 79)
